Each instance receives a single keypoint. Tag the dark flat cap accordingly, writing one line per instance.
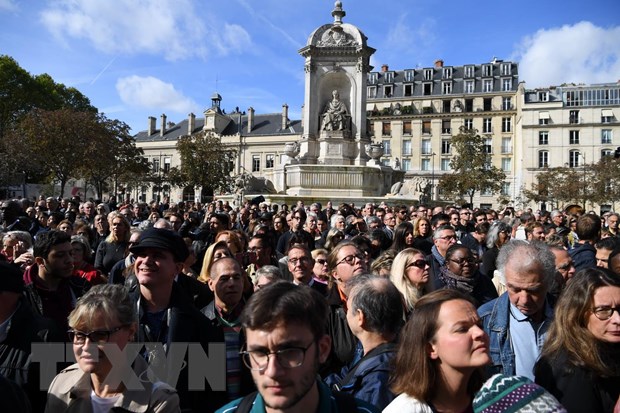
(163, 239)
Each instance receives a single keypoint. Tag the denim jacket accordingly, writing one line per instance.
(495, 317)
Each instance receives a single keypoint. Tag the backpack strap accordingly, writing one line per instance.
(246, 403)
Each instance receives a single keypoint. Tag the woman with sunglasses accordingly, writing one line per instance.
(410, 275)
(460, 272)
(580, 361)
(321, 274)
(102, 325)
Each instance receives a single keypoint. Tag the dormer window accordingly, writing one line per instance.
(372, 78)
(506, 69)
(469, 71)
(428, 74)
(487, 70)
(389, 77)
(409, 76)
(447, 73)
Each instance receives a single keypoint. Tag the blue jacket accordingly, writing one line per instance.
(495, 317)
(370, 380)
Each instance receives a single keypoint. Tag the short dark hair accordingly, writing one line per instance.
(588, 227)
(380, 302)
(609, 243)
(285, 302)
(223, 218)
(439, 217)
(46, 240)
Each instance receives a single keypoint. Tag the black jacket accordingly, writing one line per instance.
(247, 383)
(185, 324)
(343, 340)
(576, 388)
(25, 328)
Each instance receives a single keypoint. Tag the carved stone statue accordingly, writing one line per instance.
(335, 116)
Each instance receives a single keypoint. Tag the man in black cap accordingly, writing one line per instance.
(166, 316)
(20, 326)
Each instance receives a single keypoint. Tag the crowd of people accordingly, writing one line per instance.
(406, 308)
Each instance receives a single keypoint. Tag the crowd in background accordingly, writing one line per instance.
(540, 290)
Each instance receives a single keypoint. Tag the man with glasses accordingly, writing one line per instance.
(301, 265)
(443, 237)
(285, 344)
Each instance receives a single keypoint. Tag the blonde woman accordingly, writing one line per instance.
(410, 275)
(114, 248)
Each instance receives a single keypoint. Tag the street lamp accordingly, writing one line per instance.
(585, 183)
(433, 176)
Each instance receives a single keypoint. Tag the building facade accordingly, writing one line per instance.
(415, 113)
(568, 126)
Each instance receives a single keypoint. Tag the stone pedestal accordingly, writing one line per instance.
(337, 148)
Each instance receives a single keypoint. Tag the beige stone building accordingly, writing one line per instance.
(569, 125)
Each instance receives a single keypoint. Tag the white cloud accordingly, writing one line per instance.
(8, 5)
(152, 93)
(403, 37)
(171, 28)
(580, 53)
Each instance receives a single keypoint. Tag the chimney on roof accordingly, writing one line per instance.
(162, 131)
(284, 116)
(152, 121)
(385, 68)
(438, 63)
(250, 119)
(191, 123)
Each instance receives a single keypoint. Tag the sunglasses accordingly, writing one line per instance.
(421, 264)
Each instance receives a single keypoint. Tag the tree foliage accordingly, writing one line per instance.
(50, 132)
(204, 163)
(599, 182)
(471, 168)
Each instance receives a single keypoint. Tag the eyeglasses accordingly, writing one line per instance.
(96, 337)
(421, 264)
(350, 259)
(448, 237)
(287, 358)
(463, 261)
(321, 261)
(605, 313)
(297, 217)
(295, 261)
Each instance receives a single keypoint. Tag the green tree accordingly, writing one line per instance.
(205, 163)
(471, 167)
(112, 156)
(605, 181)
(54, 143)
(562, 185)
(18, 92)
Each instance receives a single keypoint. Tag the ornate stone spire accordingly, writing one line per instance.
(338, 13)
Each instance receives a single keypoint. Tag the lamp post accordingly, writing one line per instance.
(433, 176)
(585, 183)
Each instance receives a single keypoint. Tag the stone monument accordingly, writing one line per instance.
(335, 157)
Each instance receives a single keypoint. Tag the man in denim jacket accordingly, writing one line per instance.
(518, 320)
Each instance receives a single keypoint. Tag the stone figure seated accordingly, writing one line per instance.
(335, 116)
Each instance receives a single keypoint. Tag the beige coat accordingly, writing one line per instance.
(70, 392)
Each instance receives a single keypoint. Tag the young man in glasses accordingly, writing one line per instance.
(285, 344)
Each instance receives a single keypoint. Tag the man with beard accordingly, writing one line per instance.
(50, 286)
(286, 343)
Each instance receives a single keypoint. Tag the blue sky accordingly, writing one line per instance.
(140, 58)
